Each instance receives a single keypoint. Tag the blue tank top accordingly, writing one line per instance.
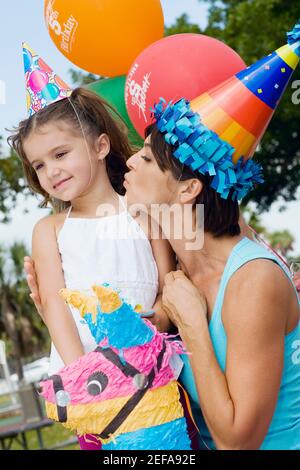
(284, 430)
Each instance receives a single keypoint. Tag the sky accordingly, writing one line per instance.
(24, 21)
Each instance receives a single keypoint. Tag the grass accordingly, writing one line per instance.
(52, 435)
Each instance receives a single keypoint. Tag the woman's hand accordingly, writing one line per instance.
(183, 301)
(158, 316)
(32, 284)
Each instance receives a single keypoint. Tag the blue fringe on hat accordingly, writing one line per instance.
(201, 149)
(294, 35)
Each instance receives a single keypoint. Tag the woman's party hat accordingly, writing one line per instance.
(43, 86)
(218, 132)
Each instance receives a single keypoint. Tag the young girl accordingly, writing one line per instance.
(73, 154)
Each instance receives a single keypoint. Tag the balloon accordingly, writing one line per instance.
(27, 57)
(112, 90)
(38, 80)
(28, 99)
(60, 83)
(103, 36)
(183, 65)
(43, 66)
(50, 92)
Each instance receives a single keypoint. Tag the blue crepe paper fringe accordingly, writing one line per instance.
(168, 436)
(294, 35)
(202, 150)
(134, 330)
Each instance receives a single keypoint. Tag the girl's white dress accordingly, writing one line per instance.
(112, 249)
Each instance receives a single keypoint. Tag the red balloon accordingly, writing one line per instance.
(183, 65)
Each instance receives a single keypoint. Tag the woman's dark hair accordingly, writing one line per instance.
(221, 216)
(83, 110)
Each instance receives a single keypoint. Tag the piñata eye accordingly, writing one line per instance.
(97, 382)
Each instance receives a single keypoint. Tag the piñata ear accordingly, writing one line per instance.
(84, 303)
(109, 299)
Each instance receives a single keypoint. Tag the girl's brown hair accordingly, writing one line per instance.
(221, 216)
(84, 111)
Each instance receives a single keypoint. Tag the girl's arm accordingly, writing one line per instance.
(50, 279)
(166, 261)
(237, 404)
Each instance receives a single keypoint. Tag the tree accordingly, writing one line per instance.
(20, 325)
(253, 219)
(282, 241)
(182, 25)
(254, 28)
(80, 78)
(12, 184)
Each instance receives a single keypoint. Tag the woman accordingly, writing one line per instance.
(236, 311)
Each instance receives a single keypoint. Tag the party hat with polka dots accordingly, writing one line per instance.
(43, 86)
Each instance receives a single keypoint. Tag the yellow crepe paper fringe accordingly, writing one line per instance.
(108, 298)
(84, 303)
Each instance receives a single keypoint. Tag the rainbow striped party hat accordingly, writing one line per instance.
(43, 86)
(218, 132)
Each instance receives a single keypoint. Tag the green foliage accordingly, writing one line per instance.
(80, 78)
(11, 184)
(281, 240)
(254, 28)
(20, 325)
(182, 25)
(17, 253)
(254, 220)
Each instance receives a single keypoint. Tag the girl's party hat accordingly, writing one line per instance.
(43, 86)
(218, 132)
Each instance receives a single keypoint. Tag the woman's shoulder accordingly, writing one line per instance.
(261, 267)
(259, 286)
(260, 274)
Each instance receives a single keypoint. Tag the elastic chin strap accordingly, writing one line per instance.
(84, 137)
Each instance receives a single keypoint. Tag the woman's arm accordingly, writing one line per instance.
(50, 279)
(237, 405)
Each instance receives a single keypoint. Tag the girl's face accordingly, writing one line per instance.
(146, 183)
(63, 161)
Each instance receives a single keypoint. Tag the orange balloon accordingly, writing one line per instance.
(104, 36)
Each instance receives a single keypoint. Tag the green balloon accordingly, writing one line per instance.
(112, 90)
